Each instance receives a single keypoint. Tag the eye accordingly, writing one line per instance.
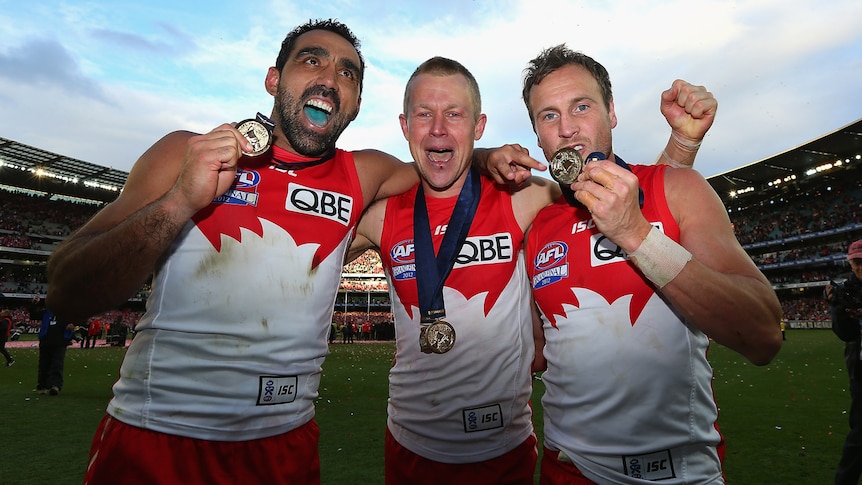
(581, 108)
(549, 116)
(312, 61)
(349, 74)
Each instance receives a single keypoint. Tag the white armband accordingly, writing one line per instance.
(660, 258)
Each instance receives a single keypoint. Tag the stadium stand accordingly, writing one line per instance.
(794, 213)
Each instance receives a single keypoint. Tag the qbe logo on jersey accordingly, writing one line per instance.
(276, 390)
(321, 203)
(603, 251)
(551, 264)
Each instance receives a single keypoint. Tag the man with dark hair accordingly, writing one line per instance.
(845, 296)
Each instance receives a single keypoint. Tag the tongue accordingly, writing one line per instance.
(316, 116)
(442, 156)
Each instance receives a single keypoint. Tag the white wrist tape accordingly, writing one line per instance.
(686, 146)
(673, 163)
(660, 258)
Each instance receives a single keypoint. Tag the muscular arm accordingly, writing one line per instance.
(368, 231)
(111, 256)
(720, 290)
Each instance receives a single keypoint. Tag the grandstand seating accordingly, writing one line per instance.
(797, 234)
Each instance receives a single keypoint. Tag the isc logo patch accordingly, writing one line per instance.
(243, 191)
(321, 203)
(551, 264)
(480, 419)
(276, 390)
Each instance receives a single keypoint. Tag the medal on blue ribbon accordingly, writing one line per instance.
(435, 334)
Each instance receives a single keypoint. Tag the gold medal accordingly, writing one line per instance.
(257, 134)
(438, 337)
(566, 165)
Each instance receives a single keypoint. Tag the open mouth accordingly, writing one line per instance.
(440, 155)
(318, 112)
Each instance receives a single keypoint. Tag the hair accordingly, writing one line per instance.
(441, 66)
(553, 58)
(330, 25)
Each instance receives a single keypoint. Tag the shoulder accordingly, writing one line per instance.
(381, 175)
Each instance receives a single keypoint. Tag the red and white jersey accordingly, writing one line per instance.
(628, 386)
(234, 335)
(471, 403)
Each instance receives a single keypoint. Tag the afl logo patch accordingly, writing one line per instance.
(551, 264)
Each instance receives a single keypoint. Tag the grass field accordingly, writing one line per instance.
(784, 423)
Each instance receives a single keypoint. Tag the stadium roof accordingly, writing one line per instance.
(33, 168)
(843, 145)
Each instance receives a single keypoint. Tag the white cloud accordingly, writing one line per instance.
(783, 72)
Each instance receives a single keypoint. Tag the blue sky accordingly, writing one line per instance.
(101, 81)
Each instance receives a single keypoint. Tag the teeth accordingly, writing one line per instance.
(316, 103)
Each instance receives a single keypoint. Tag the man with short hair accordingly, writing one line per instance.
(633, 276)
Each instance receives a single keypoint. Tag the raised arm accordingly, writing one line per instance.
(106, 261)
(690, 111)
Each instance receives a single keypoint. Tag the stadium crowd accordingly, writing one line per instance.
(32, 225)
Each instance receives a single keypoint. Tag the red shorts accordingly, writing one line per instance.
(125, 454)
(556, 472)
(517, 467)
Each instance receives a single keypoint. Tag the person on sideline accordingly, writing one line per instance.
(54, 339)
(845, 297)
(630, 293)
(5, 332)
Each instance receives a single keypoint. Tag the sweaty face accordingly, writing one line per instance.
(568, 111)
(440, 126)
(317, 93)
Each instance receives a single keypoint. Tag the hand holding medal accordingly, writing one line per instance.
(567, 164)
(258, 131)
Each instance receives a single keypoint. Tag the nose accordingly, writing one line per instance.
(569, 126)
(438, 126)
(328, 76)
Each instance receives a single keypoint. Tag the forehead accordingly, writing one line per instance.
(452, 89)
(568, 82)
(333, 43)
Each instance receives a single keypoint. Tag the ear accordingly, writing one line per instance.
(480, 126)
(271, 81)
(403, 120)
(358, 104)
(613, 116)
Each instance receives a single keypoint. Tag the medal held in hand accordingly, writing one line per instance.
(566, 165)
(258, 131)
(437, 337)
